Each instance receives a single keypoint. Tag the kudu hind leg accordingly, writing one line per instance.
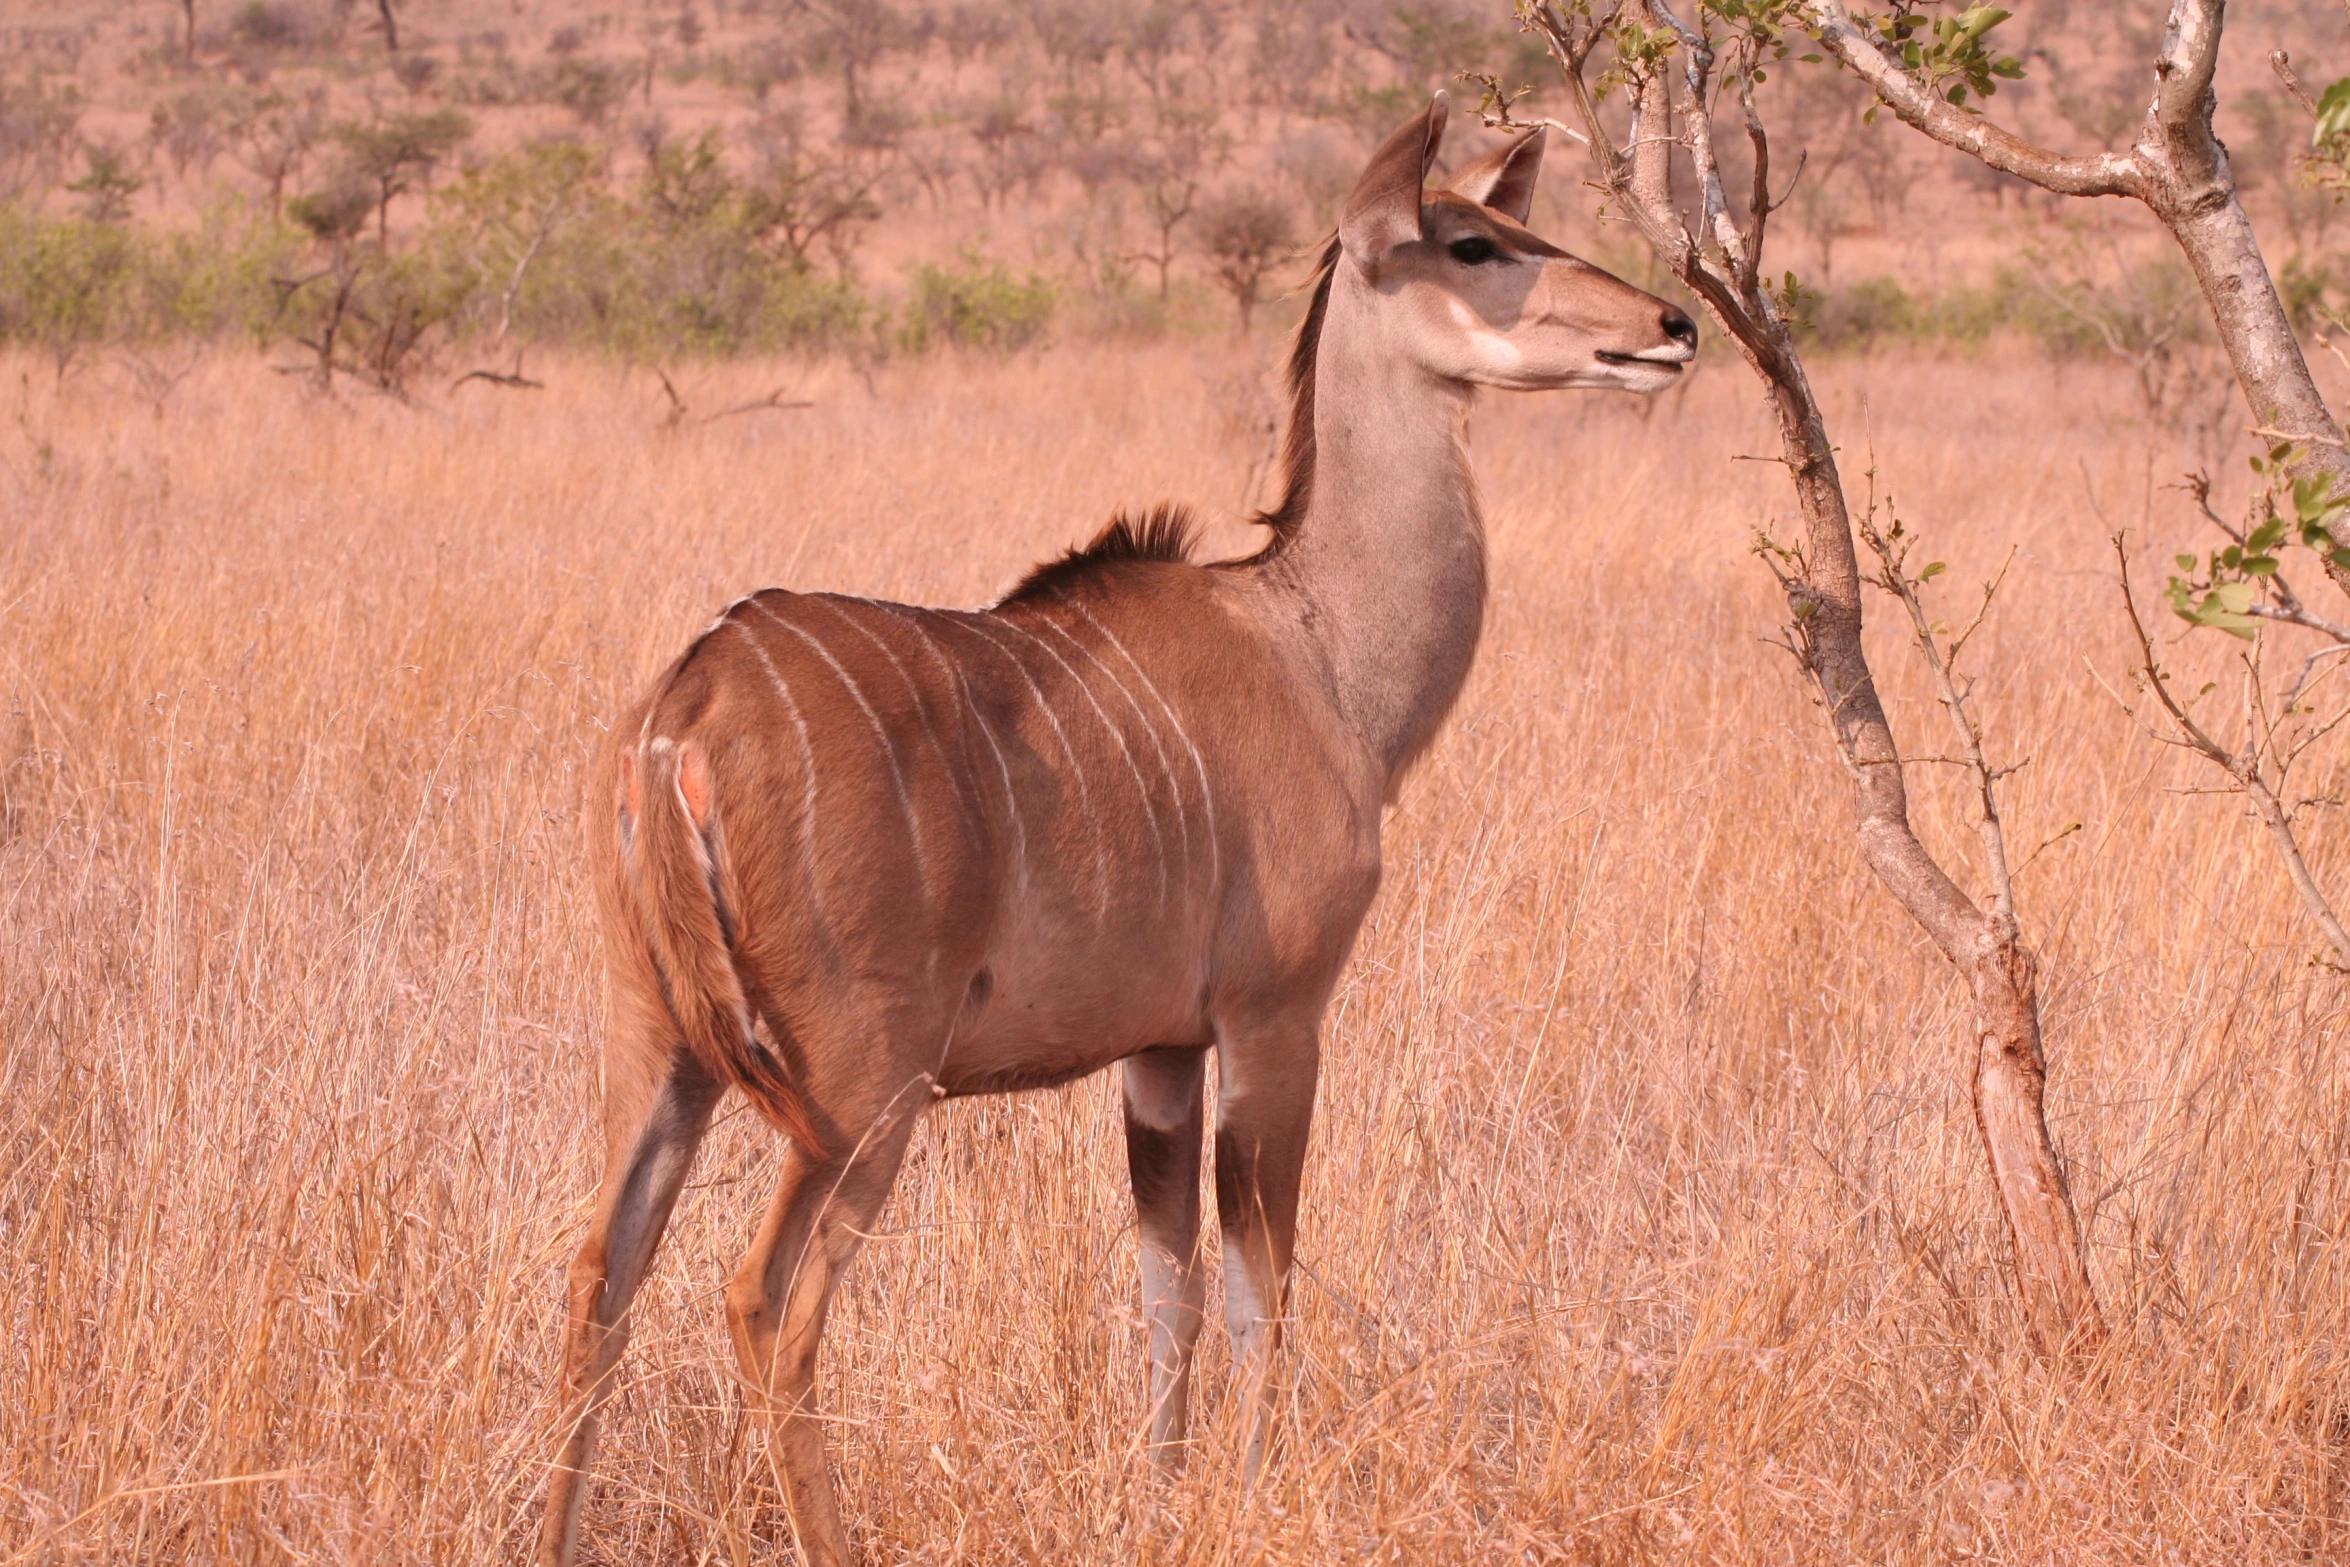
(1264, 1112)
(776, 1308)
(653, 1131)
(1164, 1112)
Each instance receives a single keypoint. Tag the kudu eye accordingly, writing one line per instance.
(1474, 251)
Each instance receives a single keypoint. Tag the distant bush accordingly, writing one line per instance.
(537, 244)
(2139, 311)
(976, 303)
(67, 283)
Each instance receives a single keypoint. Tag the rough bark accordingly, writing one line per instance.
(2178, 168)
(1720, 263)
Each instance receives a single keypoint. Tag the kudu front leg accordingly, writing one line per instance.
(1264, 1111)
(653, 1131)
(776, 1307)
(1165, 1099)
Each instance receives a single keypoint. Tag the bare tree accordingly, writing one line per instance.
(273, 135)
(39, 130)
(2176, 167)
(1168, 168)
(1681, 73)
(1246, 233)
(2278, 730)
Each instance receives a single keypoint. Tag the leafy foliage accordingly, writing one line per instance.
(1952, 55)
(2222, 590)
(977, 303)
(2327, 163)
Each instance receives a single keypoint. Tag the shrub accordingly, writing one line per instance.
(976, 303)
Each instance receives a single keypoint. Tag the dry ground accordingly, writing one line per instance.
(1645, 1219)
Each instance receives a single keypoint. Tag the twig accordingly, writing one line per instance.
(2242, 767)
(511, 378)
(774, 399)
(2298, 438)
(2282, 63)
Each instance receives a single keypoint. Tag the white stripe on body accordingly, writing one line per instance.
(808, 752)
(1166, 768)
(921, 703)
(1149, 811)
(889, 752)
(915, 618)
(1207, 795)
(976, 623)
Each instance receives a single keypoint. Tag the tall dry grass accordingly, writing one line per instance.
(1645, 1219)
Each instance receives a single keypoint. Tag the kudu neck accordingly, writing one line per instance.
(1388, 558)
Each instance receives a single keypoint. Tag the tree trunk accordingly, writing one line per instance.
(2215, 234)
(2009, 1078)
(1824, 597)
(2009, 1074)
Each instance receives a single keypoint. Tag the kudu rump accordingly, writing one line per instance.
(1128, 814)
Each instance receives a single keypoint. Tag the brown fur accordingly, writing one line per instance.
(1127, 815)
(1297, 443)
(673, 888)
(1166, 532)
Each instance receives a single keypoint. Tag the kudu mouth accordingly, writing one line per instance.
(1681, 348)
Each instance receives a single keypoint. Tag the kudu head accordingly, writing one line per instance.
(1466, 291)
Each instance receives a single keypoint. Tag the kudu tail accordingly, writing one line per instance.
(672, 878)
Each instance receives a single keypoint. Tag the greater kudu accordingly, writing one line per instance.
(853, 857)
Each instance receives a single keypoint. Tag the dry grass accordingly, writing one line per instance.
(1645, 1219)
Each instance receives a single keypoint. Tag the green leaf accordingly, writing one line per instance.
(2333, 113)
(2234, 597)
(2185, 562)
(2261, 565)
(1933, 569)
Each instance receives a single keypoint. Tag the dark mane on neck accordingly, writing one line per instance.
(1297, 445)
(1163, 533)
(1166, 533)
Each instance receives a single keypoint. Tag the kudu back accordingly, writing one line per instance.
(854, 857)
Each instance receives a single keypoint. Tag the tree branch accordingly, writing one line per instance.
(2098, 174)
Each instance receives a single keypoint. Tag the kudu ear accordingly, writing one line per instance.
(1504, 178)
(1384, 210)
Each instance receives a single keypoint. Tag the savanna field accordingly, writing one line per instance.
(1645, 1218)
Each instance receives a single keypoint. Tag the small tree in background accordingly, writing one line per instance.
(1169, 165)
(1246, 233)
(107, 183)
(273, 134)
(393, 154)
(38, 134)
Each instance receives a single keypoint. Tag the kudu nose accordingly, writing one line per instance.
(1679, 327)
